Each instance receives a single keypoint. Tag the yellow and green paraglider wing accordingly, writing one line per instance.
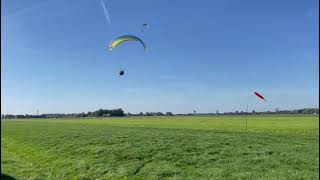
(118, 40)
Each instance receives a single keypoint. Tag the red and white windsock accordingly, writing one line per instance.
(260, 96)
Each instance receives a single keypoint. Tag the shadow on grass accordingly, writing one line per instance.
(6, 177)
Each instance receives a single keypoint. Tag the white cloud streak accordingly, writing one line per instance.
(106, 13)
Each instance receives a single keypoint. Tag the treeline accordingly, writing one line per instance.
(98, 113)
(151, 114)
(120, 113)
(276, 112)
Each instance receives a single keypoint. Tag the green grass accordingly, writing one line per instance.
(216, 147)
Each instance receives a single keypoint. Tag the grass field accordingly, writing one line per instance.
(212, 147)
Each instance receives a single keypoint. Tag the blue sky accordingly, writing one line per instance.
(204, 55)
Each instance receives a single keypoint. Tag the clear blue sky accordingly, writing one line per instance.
(204, 55)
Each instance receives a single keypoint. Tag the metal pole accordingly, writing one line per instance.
(247, 118)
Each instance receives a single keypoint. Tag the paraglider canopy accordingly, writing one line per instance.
(120, 39)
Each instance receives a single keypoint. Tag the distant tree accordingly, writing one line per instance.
(140, 114)
(117, 112)
(100, 112)
(253, 111)
(82, 114)
(159, 114)
(106, 115)
(169, 114)
(9, 116)
(20, 116)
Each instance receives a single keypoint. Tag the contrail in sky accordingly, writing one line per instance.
(105, 11)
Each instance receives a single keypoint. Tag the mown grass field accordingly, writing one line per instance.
(213, 147)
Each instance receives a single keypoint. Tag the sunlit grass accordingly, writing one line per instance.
(216, 147)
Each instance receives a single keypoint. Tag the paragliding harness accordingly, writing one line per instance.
(121, 73)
